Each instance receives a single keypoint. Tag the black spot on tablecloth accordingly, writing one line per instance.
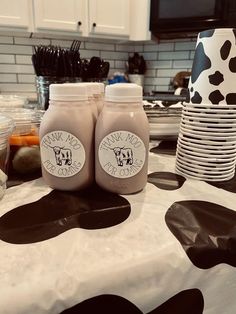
(185, 302)
(166, 180)
(215, 97)
(166, 148)
(191, 89)
(207, 33)
(225, 49)
(104, 304)
(206, 231)
(229, 185)
(60, 211)
(231, 99)
(201, 62)
(232, 64)
(196, 99)
(216, 79)
(17, 179)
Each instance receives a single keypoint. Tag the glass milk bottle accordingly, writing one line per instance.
(66, 138)
(122, 140)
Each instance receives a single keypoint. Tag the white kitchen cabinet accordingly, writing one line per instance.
(121, 19)
(109, 17)
(139, 20)
(86, 17)
(16, 14)
(63, 15)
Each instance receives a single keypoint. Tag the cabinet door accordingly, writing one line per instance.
(109, 17)
(14, 13)
(139, 20)
(63, 15)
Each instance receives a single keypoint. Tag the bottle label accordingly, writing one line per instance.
(122, 154)
(62, 154)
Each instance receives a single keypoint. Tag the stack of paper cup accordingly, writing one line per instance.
(206, 147)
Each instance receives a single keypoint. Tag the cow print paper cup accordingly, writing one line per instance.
(206, 147)
(214, 68)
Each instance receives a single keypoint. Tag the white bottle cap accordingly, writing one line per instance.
(101, 87)
(124, 92)
(68, 91)
(90, 89)
(95, 88)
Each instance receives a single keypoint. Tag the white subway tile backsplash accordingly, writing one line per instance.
(163, 59)
(174, 40)
(16, 68)
(156, 81)
(150, 73)
(23, 59)
(192, 53)
(160, 88)
(17, 87)
(169, 73)
(26, 78)
(149, 55)
(182, 64)
(61, 43)
(6, 40)
(87, 54)
(114, 55)
(126, 48)
(120, 64)
(185, 45)
(31, 41)
(7, 58)
(99, 46)
(159, 64)
(159, 47)
(148, 89)
(165, 46)
(112, 63)
(11, 34)
(174, 55)
(138, 48)
(8, 78)
(15, 49)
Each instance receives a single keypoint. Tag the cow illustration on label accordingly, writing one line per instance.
(62, 154)
(123, 155)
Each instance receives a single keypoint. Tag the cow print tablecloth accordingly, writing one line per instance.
(169, 249)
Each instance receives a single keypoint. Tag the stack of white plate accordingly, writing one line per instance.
(206, 147)
(164, 122)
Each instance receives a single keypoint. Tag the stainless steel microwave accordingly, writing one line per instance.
(181, 18)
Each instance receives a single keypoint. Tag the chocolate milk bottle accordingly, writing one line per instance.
(91, 99)
(99, 95)
(66, 138)
(122, 140)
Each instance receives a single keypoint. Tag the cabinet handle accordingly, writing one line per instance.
(79, 23)
(94, 24)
